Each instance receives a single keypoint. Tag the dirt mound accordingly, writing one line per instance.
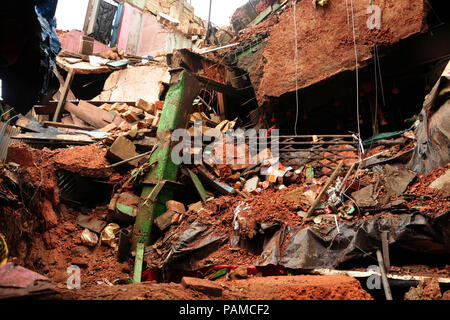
(53, 251)
(256, 288)
(38, 168)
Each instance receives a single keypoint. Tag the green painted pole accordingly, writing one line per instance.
(175, 114)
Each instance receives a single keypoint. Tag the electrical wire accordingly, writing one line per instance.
(360, 145)
(376, 86)
(381, 76)
(357, 75)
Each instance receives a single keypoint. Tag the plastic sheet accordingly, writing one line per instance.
(433, 129)
(193, 244)
(50, 45)
(307, 248)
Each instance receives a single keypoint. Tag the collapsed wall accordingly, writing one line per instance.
(325, 42)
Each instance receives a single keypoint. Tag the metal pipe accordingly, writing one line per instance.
(127, 160)
(220, 48)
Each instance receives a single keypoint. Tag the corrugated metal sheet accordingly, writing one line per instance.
(10, 131)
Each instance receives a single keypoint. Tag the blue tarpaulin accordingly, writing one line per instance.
(50, 45)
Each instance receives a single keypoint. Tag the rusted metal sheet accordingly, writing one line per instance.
(6, 140)
(213, 74)
(199, 65)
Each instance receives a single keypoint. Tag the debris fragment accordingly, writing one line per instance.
(89, 238)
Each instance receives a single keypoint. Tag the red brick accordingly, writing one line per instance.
(202, 285)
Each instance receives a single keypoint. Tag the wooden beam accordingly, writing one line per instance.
(324, 189)
(64, 93)
(64, 138)
(385, 246)
(50, 108)
(88, 16)
(384, 280)
(89, 113)
(344, 182)
(67, 126)
(221, 102)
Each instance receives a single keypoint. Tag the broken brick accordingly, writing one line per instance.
(108, 128)
(130, 116)
(145, 106)
(165, 220)
(122, 149)
(202, 285)
(175, 206)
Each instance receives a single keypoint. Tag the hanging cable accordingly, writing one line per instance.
(380, 75)
(296, 67)
(376, 85)
(361, 147)
(357, 77)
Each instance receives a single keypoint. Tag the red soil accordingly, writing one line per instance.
(325, 41)
(255, 288)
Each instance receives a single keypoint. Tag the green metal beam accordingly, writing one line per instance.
(156, 191)
(198, 185)
(263, 15)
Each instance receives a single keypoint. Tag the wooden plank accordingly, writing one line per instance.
(82, 67)
(384, 280)
(88, 16)
(324, 189)
(89, 113)
(139, 260)
(64, 93)
(58, 94)
(50, 108)
(221, 102)
(58, 137)
(385, 246)
(67, 126)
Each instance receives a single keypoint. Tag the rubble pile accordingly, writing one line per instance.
(97, 183)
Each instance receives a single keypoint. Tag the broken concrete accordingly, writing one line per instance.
(397, 180)
(123, 149)
(442, 183)
(91, 223)
(166, 219)
(365, 197)
(202, 285)
(131, 84)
